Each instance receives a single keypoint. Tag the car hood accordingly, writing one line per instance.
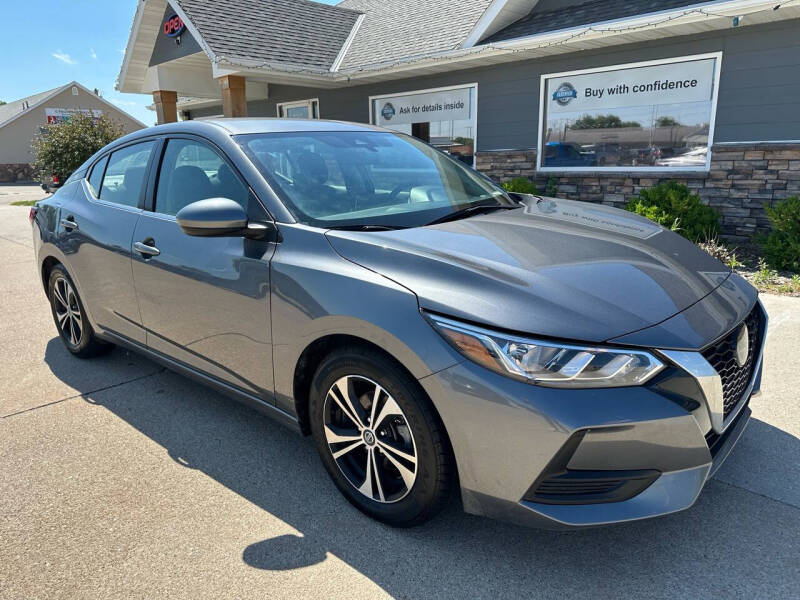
(555, 268)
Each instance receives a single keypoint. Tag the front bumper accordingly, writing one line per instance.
(508, 435)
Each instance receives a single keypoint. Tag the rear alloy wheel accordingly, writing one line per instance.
(70, 318)
(379, 437)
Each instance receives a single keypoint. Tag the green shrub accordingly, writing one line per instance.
(520, 185)
(61, 149)
(782, 245)
(674, 206)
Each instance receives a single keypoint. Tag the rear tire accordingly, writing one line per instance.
(70, 317)
(379, 438)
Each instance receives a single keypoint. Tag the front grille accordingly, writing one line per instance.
(722, 356)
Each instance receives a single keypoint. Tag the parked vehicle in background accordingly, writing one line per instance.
(564, 154)
(52, 184)
(606, 153)
(645, 156)
(567, 364)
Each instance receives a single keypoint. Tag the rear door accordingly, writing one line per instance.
(204, 301)
(97, 227)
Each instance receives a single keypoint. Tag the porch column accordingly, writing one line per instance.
(234, 98)
(166, 106)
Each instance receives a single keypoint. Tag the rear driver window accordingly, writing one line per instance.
(96, 178)
(125, 174)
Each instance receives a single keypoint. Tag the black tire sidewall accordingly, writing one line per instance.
(426, 491)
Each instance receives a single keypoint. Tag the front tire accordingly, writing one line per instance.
(70, 317)
(379, 438)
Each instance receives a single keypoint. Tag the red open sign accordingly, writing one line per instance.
(174, 26)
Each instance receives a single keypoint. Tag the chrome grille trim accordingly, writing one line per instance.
(710, 382)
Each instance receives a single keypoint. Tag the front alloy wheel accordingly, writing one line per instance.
(370, 440)
(379, 436)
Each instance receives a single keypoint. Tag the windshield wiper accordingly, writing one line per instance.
(470, 210)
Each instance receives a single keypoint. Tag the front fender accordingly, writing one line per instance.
(317, 293)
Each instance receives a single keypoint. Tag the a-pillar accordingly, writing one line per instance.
(166, 106)
(234, 97)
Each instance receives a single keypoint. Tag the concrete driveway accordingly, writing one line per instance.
(13, 192)
(119, 479)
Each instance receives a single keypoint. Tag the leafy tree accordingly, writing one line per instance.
(674, 206)
(667, 122)
(2, 102)
(782, 245)
(60, 149)
(602, 122)
(463, 141)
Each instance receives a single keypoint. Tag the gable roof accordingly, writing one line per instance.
(296, 32)
(17, 107)
(398, 29)
(587, 13)
(13, 110)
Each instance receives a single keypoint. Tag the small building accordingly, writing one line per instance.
(594, 99)
(22, 120)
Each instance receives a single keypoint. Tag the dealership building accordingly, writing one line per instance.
(22, 120)
(593, 100)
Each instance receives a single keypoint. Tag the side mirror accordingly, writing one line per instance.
(214, 217)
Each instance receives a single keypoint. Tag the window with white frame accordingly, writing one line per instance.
(443, 117)
(302, 109)
(657, 115)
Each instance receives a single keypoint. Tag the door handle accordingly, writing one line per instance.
(146, 249)
(69, 223)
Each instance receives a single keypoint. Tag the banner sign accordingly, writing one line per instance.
(449, 105)
(672, 83)
(56, 116)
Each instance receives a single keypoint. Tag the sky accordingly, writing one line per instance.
(45, 44)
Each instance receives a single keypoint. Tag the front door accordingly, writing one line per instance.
(204, 301)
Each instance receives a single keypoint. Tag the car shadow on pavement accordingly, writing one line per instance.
(733, 542)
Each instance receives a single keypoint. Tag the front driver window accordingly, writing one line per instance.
(192, 171)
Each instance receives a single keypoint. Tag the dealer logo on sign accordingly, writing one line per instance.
(388, 111)
(565, 94)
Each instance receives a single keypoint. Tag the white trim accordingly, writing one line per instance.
(193, 30)
(473, 109)
(486, 20)
(63, 89)
(294, 103)
(619, 67)
(347, 43)
(126, 59)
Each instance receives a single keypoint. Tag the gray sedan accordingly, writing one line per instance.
(555, 363)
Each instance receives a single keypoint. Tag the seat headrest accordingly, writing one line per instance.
(312, 168)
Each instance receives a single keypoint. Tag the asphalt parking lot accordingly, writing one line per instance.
(119, 479)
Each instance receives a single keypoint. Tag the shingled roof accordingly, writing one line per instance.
(396, 29)
(15, 107)
(289, 32)
(594, 11)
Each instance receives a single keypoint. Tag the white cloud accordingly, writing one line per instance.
(64, 57)
(92, 53)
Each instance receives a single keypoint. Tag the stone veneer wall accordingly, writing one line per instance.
(743, 177)
(16, 172)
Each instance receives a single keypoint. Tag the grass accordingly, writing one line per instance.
(24, 203)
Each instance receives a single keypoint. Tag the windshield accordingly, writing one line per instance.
(360, 179)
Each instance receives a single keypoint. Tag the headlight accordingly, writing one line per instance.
(548, 363)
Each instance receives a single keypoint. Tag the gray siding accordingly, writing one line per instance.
(759, 87)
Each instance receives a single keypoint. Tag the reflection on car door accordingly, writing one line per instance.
(204, 301)
(98, 225)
